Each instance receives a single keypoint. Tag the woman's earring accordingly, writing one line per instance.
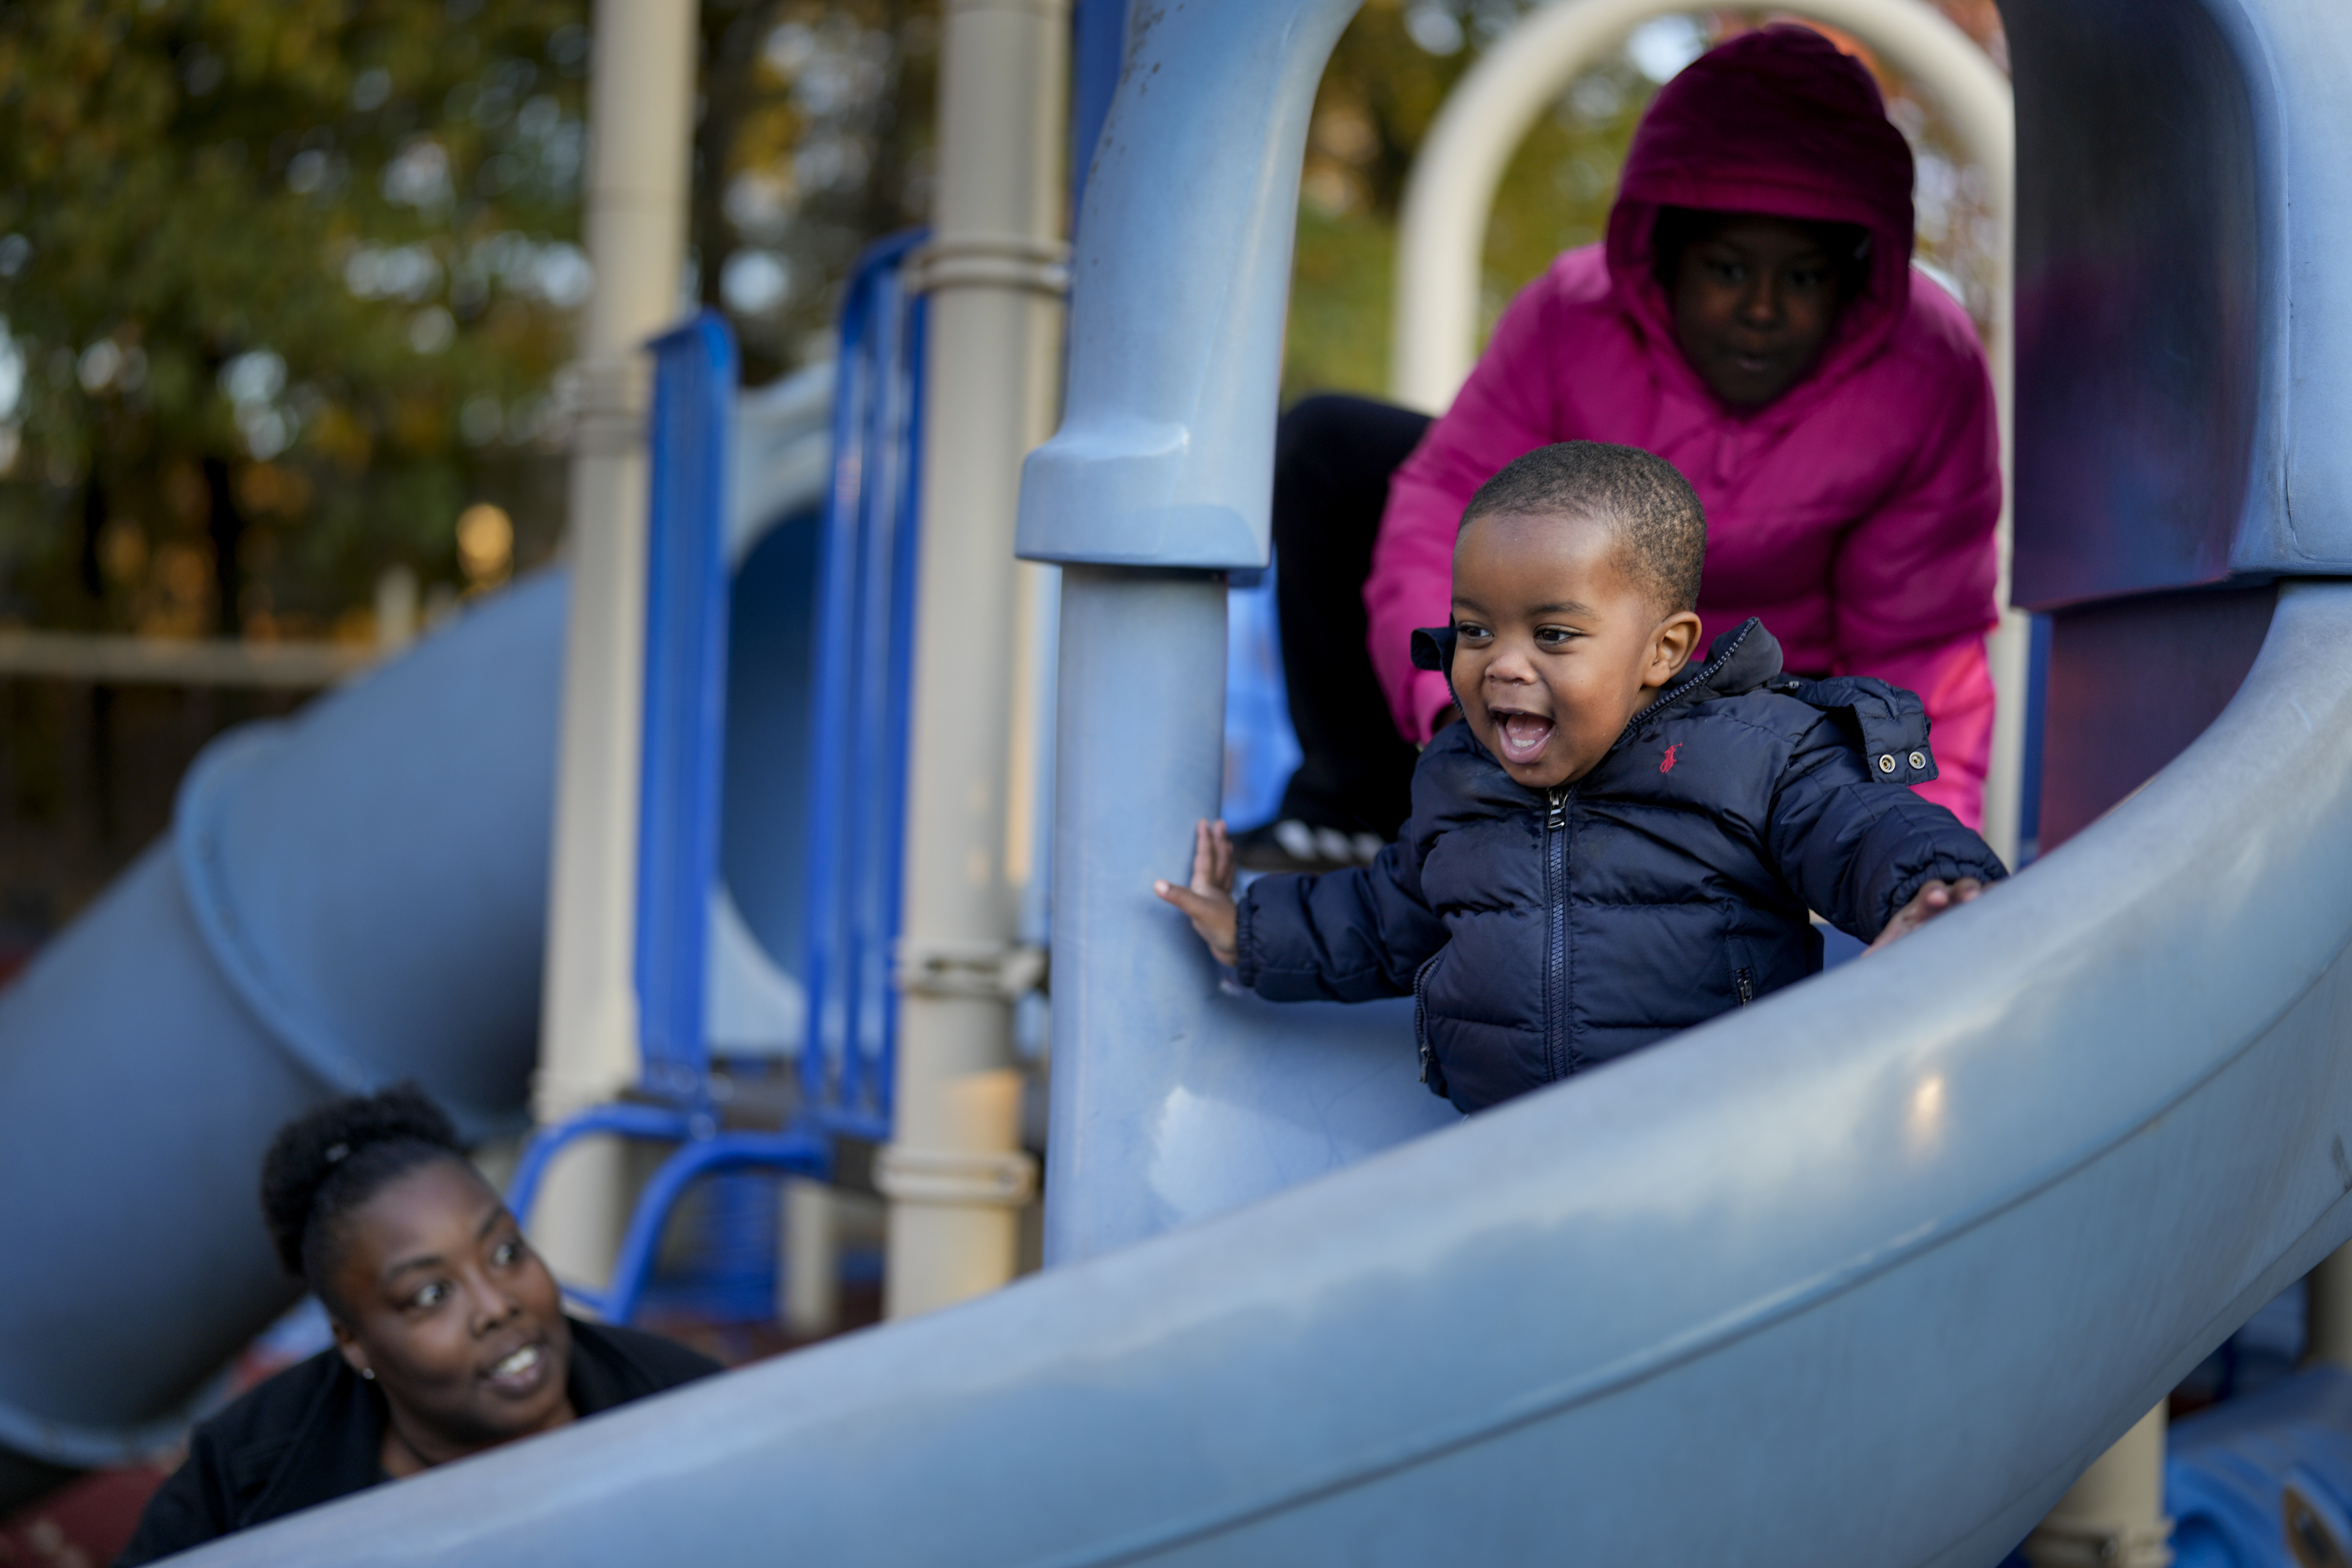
(368, 1372)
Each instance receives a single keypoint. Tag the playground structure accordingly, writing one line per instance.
(1871, 1272)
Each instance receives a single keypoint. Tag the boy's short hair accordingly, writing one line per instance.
(1659, 524)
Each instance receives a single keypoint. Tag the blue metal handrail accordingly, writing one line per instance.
(858, 761)
(685, 699)
(687, 589)
(857, 747)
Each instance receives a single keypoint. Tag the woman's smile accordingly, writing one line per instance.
(520, 1372)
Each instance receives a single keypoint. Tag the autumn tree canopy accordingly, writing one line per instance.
(286, 284)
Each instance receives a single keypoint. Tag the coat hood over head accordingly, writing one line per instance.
(1778, 122)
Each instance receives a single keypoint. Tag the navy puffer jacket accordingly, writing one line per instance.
(1541, 933)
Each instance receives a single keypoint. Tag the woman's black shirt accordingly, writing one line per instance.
(315, 1432)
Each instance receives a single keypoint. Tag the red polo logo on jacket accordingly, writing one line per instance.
(1667, 766)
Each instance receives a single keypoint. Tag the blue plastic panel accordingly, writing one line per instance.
(2143, 340)
(2129, 684)
(771, 653)
(783, 450)
(1097, 50)
(1261, 745)
(2182, 301)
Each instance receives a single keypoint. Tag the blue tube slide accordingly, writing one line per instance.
(348, 898)
(2266, 1479)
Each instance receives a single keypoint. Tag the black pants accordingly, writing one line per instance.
(1332, 459)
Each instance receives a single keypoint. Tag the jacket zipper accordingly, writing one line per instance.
(1747, 987)
(1421, 1023)
(1556, 960)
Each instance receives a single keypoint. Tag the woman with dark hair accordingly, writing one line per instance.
(450, 1336)
(1753, 317)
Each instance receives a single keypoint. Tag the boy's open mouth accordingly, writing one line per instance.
(1523, 735)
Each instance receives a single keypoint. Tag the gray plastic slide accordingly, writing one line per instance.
(1865, 1276)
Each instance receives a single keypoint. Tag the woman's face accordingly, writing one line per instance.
(1754, 300)
(438, 1295)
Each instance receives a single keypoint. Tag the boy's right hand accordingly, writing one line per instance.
(1933, 899)
(1210, 900)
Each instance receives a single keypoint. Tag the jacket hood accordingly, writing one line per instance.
(1737, 663)
(1778, 122)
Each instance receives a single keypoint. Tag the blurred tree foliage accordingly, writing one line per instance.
(1387, 80)
(272, 272)
(286, 284)
(815, 140)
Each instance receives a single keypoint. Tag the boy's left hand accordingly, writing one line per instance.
(1932, 900)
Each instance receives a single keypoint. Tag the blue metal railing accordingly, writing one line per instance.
(857, 745)
(685, 699)
(858, 761)
(687, 584)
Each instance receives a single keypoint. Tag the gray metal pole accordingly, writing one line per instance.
(1159, 481)
(641, 116)
(954, 1171)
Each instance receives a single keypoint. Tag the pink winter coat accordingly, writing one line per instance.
(1854, 513)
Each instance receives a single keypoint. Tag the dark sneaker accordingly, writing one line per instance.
(1291, 844)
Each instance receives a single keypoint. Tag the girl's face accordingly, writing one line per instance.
(1754, 302)
(438, 1295)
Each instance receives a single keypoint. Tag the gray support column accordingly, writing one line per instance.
(2114, 1516)
(2327, 1316)
(1134, 988)
(641, 116)
(1158, 483)
(955, 1173)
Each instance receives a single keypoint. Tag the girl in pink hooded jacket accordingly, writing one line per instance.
(1752, 317)
(1851, 495)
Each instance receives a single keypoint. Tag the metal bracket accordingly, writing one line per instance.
(996, 1179)
(2100, 1546)
(608, 402)
(1004, 971)
(990, 261)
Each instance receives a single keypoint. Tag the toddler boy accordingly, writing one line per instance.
(1612, 845)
